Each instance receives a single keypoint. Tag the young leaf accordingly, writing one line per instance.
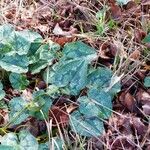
(6, 32)
(86, 126)
(18, 81)
(147, 82)
(18, 110)
(15, 63)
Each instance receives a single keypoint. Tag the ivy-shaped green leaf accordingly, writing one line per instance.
(18, 110)
(15, 63)
(24, 141)
(147, 82)
(71, 71)
(18, 81)
(42, 58)
(79, 50)
(86, 126)
(101, 78)
(103, 101)
(98, 103)
(40, 105)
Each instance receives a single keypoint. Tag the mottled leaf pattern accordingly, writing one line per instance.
(86, 126)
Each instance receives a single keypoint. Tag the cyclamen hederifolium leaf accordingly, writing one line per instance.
(41, 105)
(6, 36)
(24, 141)
(147, 82)
(27, 141)
(101, 78)
(79, 50)
(10, 139)
(102, 100)
(86, 126)
(42, 58)
(4, 147)
(15, 63)
(98, 103)
(71, 73)
(22, 41)
(18, 110)
(2, 92)
(18, 81)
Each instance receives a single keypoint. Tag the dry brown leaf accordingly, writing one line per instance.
(59, 116)
(135, 55)
(139, 126)
(128, 101)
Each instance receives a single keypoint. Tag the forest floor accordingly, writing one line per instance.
(115, 29)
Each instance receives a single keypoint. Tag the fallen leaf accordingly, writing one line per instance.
(59, 116)
(63, 40)
(115, 11)
(135, 55)
(128, 101)
(58, 31)
(139, 126)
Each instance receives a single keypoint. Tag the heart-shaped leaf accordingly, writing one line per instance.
(41, 105)
(18, 110)
(101, 78)
(86, 126)
(24, 141)
(18, 81)
(15, 63)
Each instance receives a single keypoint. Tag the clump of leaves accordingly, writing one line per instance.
(72, 73)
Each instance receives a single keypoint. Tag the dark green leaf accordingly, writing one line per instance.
(24, 141)
(103, 101)
(18, 110)
(72, 73)
(79, 50)
(102, 79)
(15, 63)
(18, 81)
(86, 126)
(27, 141)
(41, 105)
